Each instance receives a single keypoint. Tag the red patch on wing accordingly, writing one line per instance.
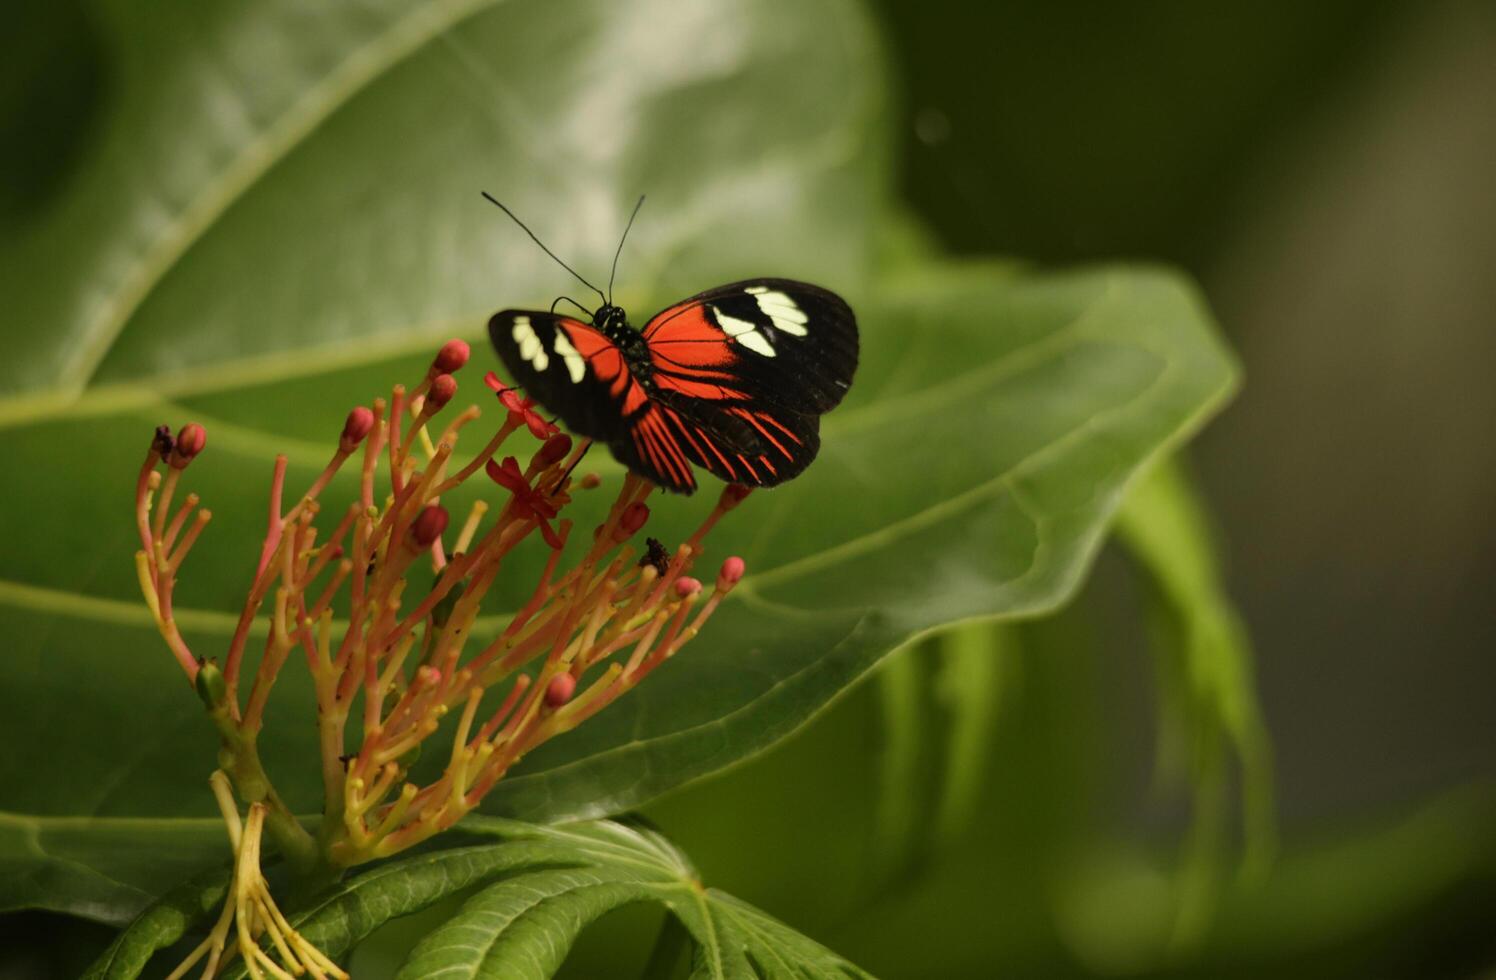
(692, 356)
(606, 363)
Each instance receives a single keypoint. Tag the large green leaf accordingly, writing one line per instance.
(271, 178)
(994, 426)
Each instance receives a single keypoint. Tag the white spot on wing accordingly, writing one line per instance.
(744, 333)
(529, 344)
(576, 364)
(781, 310)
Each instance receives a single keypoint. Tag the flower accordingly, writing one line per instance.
(401, 653)
(521, 407)
(527, 502)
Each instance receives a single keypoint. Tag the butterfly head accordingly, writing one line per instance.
(611, 320)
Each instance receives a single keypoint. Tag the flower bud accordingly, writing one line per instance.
(632, 519)
(555, 448)
(686, 586)
(210, 684)
(453, 355)
(356, 429)
(190, 442)
(731, 573)
(428, 675)
(559, 690)
(429, 526)
(443, 387)
(591, 481)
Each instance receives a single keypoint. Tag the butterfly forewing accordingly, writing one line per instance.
(568, 367)
(575, 371)
(769, 341)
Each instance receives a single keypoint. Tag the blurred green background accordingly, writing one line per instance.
(1325, 170)
(1328, 172)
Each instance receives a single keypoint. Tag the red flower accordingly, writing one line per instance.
(523, 407)
(529, 503)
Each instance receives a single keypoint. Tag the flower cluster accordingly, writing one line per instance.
(391, 656)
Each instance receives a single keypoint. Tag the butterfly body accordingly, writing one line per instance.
(733, 380)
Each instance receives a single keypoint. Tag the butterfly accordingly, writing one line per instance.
(733, 380)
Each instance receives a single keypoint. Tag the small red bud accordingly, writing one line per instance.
(687, 586)
(555, 448)
(453, 355)
(732, 572)
(190, 442)
(443, 387)
(591, 481)
(633, 518)
(559, 690)
(429, 525)
(356, 429)
(732, 495)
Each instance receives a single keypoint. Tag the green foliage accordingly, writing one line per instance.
(533, 889)
(101, 869)
(277, 216)
(1205, 678)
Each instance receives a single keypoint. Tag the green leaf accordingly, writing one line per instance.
(940, 703)
(106, 870)
(1072, 383)
(269, 180)
(523, 926)
(538, 888)
(160, 926)
(1209, 703)
(257, 256)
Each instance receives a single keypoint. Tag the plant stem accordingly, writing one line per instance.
(239, 756)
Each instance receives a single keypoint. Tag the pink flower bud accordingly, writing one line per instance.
(429, 525)
(443, 387)
(732, 572)
(559, 690)
(453, 355)
(190, 442)
(356, 429)
(687, 586)
(428, 675)
(631, 521)
(732, 495)
(555, 448)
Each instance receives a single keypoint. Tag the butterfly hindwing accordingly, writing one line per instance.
(742, 442)
(575, 371)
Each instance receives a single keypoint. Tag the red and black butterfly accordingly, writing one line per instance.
(733, 380)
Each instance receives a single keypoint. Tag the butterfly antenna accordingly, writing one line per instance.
(585, 311)
(537, 241)
(620, 247)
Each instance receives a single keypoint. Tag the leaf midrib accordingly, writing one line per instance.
(356, 71)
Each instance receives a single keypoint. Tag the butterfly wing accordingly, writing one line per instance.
(575, 371)
(774, 341)
(749, 368)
